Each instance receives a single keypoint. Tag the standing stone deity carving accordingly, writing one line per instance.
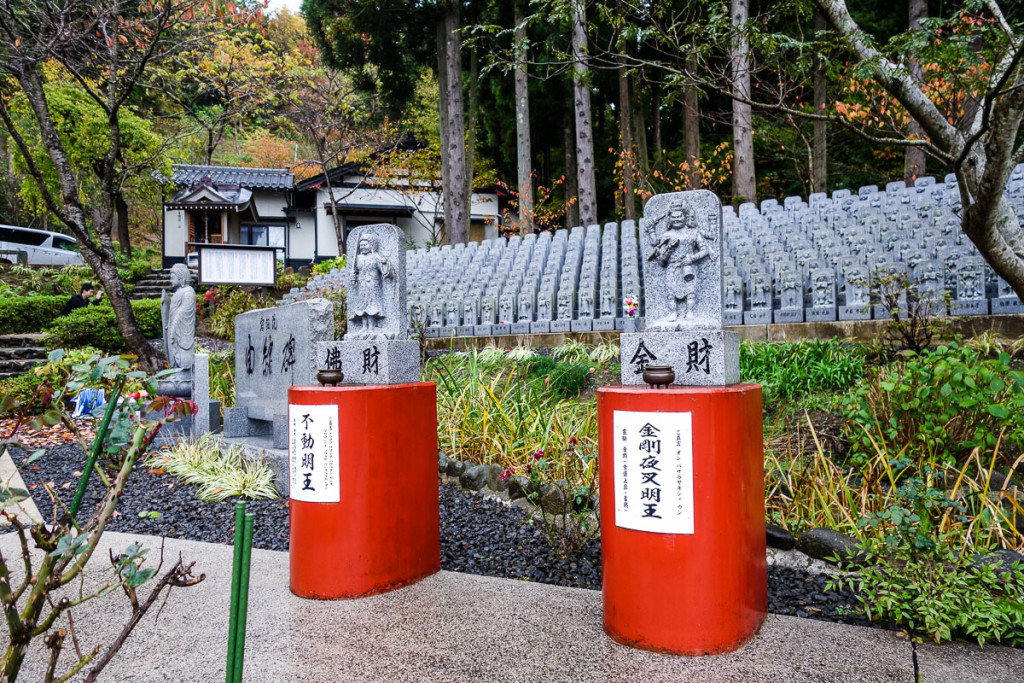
(608, 303)
(366, 298)
(469, 311)
(822, 290)
(179, 319)
(487, 311)
(679, 248)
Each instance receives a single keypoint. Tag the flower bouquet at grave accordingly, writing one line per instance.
(630, 305)
(34, 603)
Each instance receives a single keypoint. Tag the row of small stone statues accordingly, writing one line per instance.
(565, 281)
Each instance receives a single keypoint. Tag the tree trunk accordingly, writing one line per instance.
(914, 167)
(626, 134)
(474, 106)
(121, 221)
(456, 214)
(572, 214)
(524, 162)
(442, 112)
(643, 159)
(656, 121)
(744, 186)
(587, 187)
(819, 153)
(691, 132)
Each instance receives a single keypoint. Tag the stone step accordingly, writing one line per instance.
(21, 340)
(18, 366)
(23, 352)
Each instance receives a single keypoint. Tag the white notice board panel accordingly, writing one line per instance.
(219, 265)
(313, 453)
(654, 471)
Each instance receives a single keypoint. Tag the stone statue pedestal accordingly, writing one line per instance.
(377, 361)
(194, 385)
(700, 357)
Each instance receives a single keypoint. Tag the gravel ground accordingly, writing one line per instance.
(478, 535)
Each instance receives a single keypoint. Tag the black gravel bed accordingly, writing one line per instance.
(478, 535)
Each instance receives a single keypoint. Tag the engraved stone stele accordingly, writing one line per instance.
(274, 351)
(681, 246)
(376, 348)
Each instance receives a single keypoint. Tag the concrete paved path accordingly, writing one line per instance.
(458, 627)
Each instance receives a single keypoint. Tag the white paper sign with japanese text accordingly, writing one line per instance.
(654, 471)
(313, 453)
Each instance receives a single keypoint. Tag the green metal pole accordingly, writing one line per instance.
(243, 598)
(236, 577)
(97, 446)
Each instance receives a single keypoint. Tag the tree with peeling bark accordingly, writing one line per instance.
(524, 156)
(586, 184)
(744, 180)
(106, 48)
(980, 140)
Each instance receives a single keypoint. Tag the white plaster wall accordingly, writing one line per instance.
(175, 233)
(270, 205)
(300, 240)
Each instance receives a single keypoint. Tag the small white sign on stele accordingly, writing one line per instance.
(654, 471)
(313, 453)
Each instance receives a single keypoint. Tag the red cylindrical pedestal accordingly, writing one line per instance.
(384, 533)
(693, 593)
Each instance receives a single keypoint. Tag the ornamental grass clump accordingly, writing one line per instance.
(793, 371)
(220, 473)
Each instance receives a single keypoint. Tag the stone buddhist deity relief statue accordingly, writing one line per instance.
(791, 291)
(469, 310)
(733, 293)
(376, 277)
(525, 309)
(564, 305)
(760, 292)
(487, 310)
(680, 236)
(451, 313)
(823, 290)
(179, 319)
(608, 303)
(436, 314)
(970, 282)
(544, 305)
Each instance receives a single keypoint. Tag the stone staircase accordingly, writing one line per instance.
(150, 286)
(19, 353)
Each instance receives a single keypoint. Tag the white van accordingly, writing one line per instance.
(40, 247)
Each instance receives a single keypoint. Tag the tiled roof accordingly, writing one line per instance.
(252, 178)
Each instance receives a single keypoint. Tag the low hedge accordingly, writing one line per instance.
(24, 314)
(96, 326)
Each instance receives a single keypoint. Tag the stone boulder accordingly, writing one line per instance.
(827, 545)
(474, 478)
(779, 538)
(494, 480)
(455, 468)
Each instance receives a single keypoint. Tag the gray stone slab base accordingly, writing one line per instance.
(968, 307)
(732, 318)
(1007, 305)
(759, 317)
(540, 327)
(792, 315)
(604, 325)
(819, 315)
(498, 330)
(376, 361)
(520, 328)
(583, 325)
(465, 331)
(482, 330)
(706, 357)
(560, 326)
(854, 313)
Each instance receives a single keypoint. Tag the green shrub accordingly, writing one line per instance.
(794, 370)
(324, 267)
(96, 326)
(937, 406)
(231, 302)
(285, 281)
(20, 389)
(941, 593)
(23, 314)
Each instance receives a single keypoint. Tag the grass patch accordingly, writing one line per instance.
(220, 474)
